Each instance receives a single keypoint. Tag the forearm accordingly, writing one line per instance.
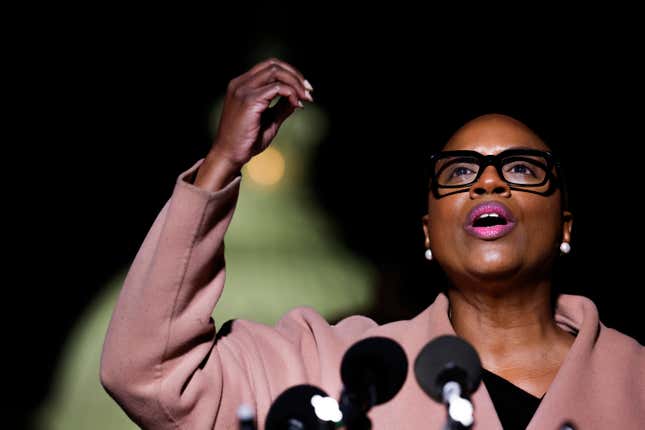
(161, 329)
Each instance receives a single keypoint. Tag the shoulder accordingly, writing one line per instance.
(614, 351)
(579, 315)
(307, 320)
(305, 328)
(618, 366)
(621, 346)
(304, 322)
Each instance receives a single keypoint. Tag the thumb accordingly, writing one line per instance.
(284, 111)
(278, 113)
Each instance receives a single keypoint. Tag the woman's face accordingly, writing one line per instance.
(527, 245)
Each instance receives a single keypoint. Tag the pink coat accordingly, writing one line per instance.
(161, 363)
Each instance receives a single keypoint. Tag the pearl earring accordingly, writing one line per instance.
(565, 247)
(428, 254)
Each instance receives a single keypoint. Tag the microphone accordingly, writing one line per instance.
(373, 370)
(303, 407)
(245, 417)
(448, 369)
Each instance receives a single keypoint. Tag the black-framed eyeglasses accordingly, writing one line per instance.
(529, 170)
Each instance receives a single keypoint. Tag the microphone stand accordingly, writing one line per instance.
(354, 411)
(460, 410)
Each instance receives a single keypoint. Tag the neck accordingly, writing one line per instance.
(510, 326)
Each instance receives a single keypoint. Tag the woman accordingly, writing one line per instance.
(496, 223)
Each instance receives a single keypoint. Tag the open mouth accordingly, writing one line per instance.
(489, 220)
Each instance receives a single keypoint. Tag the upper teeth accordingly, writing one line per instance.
(487, 215)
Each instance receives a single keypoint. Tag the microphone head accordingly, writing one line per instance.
(374, 370)
(448, 358)
(293, 409)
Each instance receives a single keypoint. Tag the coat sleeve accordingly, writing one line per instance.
(159, 360)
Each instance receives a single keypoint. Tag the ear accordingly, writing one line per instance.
(567, 224)
(426, 220)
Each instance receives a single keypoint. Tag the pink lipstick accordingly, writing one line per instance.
(490, 220)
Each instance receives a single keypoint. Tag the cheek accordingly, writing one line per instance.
(445, 222)
(543, 223)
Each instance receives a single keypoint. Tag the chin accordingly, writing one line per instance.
(493, 265)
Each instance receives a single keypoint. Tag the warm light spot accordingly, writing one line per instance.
(266, 168)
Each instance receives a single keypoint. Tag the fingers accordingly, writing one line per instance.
(273, 70)
(277, 73)
(297, 73)
(274, 61)
(266, 93)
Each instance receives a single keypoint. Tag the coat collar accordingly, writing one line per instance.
(575, 314)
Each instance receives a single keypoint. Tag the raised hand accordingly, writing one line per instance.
(248, 125)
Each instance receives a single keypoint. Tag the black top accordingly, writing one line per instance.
(514, 406)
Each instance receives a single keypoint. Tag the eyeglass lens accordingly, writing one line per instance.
(520, 170)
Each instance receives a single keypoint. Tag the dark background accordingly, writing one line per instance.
(115, 105)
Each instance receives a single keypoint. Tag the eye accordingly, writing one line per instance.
(456, 171)
(521, 169)
(461, 171)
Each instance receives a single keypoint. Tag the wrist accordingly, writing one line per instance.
(216, 171)
(218, 158)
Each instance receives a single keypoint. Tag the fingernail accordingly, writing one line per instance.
(307, 85)
(308, 95)
(300, 104)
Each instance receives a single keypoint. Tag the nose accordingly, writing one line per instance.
(490, 183)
